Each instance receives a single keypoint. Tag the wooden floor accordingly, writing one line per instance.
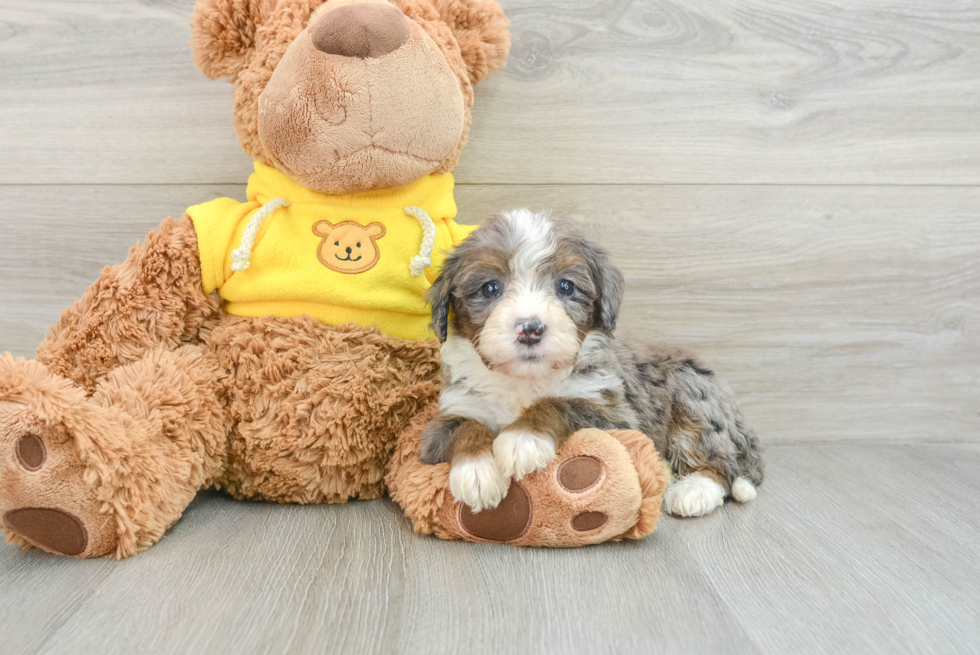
(792, 188)
(850, 549)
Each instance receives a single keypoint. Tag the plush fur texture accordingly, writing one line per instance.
(338, 124)
(157, 297)
(527, 308)
(316, 409)
(145, 391)
(289, 410)
(128, 459)
(629, 493)
(388, 120)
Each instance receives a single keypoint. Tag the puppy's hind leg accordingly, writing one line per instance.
(708, 445)
(702, 485)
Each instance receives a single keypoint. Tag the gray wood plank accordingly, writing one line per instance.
(869, 536)
(608, 91)
(836, 313)
(262, 578)
(848, 549)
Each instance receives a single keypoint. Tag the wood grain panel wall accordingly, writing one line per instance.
(836, 313)
(723, 150)
(597, 91)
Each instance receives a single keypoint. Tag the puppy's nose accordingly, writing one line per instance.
(530, 332)
(362, 31)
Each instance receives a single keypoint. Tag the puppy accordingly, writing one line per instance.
(526, 308)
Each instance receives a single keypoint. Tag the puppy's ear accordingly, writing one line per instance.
(610, 283)
(440, 297)
(223, 34)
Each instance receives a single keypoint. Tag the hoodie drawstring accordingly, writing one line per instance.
(424, 258)
(241, 254)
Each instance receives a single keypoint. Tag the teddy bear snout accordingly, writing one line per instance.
(362, 30)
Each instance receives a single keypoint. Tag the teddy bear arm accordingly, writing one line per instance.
(605, 485)
(154, 299)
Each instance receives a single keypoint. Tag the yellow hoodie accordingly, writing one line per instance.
(360, 257)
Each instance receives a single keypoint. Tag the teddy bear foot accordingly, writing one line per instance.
(45, 500)
(604, 486)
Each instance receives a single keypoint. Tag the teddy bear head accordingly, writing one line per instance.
(349, 95)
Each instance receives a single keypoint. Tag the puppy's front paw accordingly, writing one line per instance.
(519, 452)
(693, 495)
(476, 481)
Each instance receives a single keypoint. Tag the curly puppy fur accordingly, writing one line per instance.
(527, 308)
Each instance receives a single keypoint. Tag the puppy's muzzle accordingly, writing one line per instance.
(530, 331)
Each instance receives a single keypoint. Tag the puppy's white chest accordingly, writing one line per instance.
(492, 398)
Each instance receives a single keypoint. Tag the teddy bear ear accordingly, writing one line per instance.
(482, 31)
(323, 228)
(223, 34)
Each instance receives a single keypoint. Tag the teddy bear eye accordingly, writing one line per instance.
(358, 244)
(336, 243)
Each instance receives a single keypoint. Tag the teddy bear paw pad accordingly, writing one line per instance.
(44, 500)
(507, 521)
(589, 494)
(54, 530)
(578, 474)
(589, 521)
(31, 452)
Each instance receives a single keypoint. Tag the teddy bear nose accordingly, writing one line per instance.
(362, 31)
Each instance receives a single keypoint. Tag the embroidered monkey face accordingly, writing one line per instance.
(348, 247)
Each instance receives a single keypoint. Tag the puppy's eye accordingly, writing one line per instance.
(566, 288)
(491, 289)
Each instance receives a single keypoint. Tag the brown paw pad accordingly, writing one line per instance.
(31, 452)
(51, 529)
(507, 521)
(589, 521)
(579, 474)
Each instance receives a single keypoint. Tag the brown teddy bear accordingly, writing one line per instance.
(279, 348)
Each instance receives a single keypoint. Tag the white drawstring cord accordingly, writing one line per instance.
(424, 258)
(241, 254)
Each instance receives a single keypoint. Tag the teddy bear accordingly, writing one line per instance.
(279, 348)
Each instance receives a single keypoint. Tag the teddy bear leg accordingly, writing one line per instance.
(106, 475)
(604, 486)
(317, 409)
(154, 299)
